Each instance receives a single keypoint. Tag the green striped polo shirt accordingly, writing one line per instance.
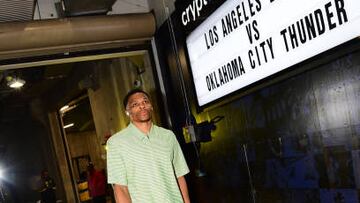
(147, 164)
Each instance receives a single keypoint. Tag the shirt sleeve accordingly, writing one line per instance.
(179, 162)
(116, 169)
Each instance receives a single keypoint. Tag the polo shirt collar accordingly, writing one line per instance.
(139, 134)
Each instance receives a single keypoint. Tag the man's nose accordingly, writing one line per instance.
(142, 105)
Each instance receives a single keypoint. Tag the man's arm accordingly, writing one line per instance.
(121, 194)
(183, 189)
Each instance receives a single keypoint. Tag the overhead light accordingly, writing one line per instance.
(64, 108)
(68, 125)
(67, 108)
(16, 83)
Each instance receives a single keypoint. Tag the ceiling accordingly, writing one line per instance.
(40, 83)
(38, 80)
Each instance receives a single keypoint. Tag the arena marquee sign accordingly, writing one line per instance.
(245, 41)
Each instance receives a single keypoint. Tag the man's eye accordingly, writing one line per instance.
(134, 105)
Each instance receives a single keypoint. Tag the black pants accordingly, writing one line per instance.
(48, 196)
(99, 199)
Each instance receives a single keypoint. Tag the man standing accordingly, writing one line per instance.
(97, 184)
(145, 162)
(47, 189)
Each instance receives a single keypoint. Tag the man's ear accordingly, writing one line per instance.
(127, 113)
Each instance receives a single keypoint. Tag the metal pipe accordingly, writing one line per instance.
(20, 37)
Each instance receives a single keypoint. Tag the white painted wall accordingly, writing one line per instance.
(130, 6)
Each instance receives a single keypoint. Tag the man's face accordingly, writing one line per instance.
(139, 108)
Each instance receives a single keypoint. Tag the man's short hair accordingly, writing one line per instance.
(130, 93)
(90, 166)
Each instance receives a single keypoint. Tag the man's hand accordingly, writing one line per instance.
(121, 194)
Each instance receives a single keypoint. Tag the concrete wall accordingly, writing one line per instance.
(45, 9)
(158, 6)
(106, 100)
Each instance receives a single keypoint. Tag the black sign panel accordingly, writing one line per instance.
(192, 13)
